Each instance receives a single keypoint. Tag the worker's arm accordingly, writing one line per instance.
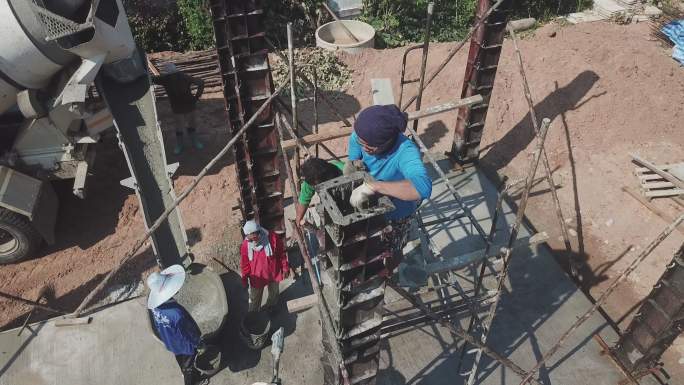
(402, 189)
(244, 264)
(280, 253)
(306, 193)
(301, 210)
(416, 186)
(200, 87)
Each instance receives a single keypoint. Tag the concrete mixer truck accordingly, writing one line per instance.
(51, 54)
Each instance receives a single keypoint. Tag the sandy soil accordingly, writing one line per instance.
(610, 90)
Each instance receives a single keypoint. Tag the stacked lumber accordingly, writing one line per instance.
(654, 185)
(609, 8)
(199, 64)
(628, 3)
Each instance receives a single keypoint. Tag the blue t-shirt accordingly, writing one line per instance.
(400, 163)
(176, 328)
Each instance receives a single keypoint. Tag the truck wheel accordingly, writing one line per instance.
(18, 238)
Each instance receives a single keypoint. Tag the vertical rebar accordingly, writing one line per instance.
(423, 64)
(572, 263)
(532, 170)
(602, 299)
(293, 91)
(315, 105)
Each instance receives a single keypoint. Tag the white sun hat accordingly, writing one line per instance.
(250, 227)
(164, 285)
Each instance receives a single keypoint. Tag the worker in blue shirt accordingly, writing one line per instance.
(395, 164)
(174, 325)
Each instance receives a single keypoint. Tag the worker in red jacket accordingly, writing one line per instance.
(264, 264)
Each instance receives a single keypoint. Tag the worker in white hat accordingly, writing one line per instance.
(179, 89)
(174, 325)
(264, 264)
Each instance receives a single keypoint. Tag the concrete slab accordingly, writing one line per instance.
(539, 303)
(118, 348)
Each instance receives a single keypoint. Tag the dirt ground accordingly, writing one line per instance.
(610, 90)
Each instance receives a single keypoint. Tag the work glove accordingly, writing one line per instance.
(352, 166)
(361, 195)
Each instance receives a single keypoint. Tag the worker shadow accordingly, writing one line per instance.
(236, 356)
(563, 99)
(433, 133)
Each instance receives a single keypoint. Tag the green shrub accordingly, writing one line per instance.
(399, 22)
(333, 75)
(197, 20)
(156, 28)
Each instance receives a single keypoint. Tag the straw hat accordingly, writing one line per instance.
(164, 285)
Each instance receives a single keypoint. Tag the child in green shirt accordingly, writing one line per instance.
(315, 171)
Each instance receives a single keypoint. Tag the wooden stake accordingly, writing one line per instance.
(334, 16)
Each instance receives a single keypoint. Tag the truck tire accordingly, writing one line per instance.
(18, 239)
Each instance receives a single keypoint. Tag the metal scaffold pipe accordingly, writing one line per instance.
(139, 244)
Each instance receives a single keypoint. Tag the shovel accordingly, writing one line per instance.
(277, 341)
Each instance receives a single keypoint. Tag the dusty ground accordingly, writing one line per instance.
(610, 90)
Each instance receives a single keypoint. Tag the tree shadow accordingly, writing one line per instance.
(129, 278)
(556, 103)
(346, 105)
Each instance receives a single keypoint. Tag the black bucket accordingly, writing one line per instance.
(208, 360)
(255, 329)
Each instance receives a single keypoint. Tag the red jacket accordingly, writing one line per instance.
(262, 269)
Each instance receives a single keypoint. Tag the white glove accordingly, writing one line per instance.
(361, 195)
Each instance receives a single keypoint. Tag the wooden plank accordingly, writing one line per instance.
(346, 131)
(666, 175)
(664, 216)
(73, 321)
(381, 89)
(646, 170)
(663, 193)
(657, 184)
(460, 261)
(303, 303)
(308, 140)
(647, 177)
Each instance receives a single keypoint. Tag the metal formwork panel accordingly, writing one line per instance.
(483, 59)
(355, 243)
(247, 84)
(658, 322)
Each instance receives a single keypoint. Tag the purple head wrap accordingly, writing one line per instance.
(379, 126)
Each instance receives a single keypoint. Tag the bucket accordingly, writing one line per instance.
(332, 36)
(208, 360)
(255, 329)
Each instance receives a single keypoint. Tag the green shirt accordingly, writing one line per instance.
(307, 191)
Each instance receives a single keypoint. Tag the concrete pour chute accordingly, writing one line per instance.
(135, 118)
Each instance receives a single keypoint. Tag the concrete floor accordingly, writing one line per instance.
(539, 304)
